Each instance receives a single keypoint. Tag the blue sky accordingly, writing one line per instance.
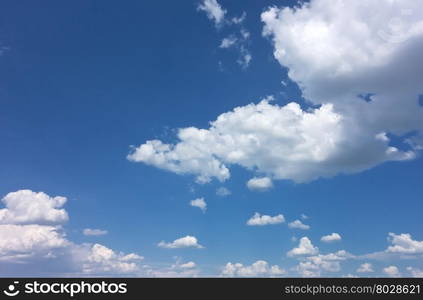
(85, 83)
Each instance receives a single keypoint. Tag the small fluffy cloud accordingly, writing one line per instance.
(94, 232)
(214, 11)
(259, 184)
(331, 238)
(391, 271)
(305, 247)
(26, 206)
(188, 265)
(184, 242)
(257, 269)
(223, 192)
(365, 268)
(228, 42)
(297, 224)
(240, 19)
(404, 244)
(200, 203)
(245, 57)
(261, 220)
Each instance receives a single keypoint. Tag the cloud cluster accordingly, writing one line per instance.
(258, 269)
(102, 260)
(312, 263)
(363, 92)
(404, 244)
(214, 11)
(313, 266)
(177, 269)
(261, 220)
(31, 234)
(239, 40)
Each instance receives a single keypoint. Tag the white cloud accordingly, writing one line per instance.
(404, 244)
(297, 224)
(365, 268)
(240, 19)
(304, 217)
(284, 142)
(305, 247)
(245, 57)
(182, 158)
(391, 271)
(257, 269)
(334, 61)
(261, 220)
(188, 265)
(260, 184)
(331, 237)
(228, 42)
(245, 34)
(26, 206)
(130, 257)
(418, 273)
(214, 11)
(184, 242)
(223, 192)
(94, 232)
(200, 203)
